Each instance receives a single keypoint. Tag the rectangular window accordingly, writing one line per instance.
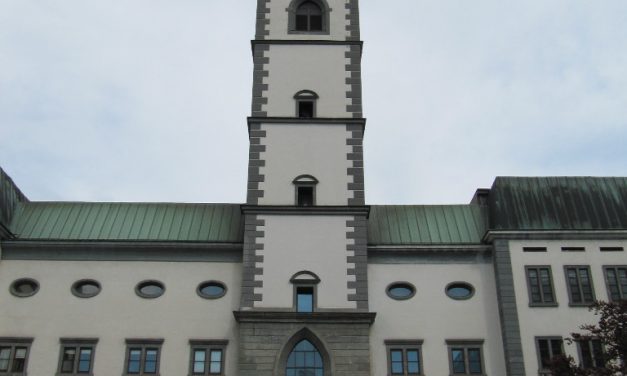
(579, 282)
(465, 357)
(207, 357)
(611, 249)
(540, 286)
(14, 355)
(77, 356)
(305, 195)
(547, 348)
(304, 298)
(534, 249)
(142, 356)
(591, 353)
(616, 281)
(301, 22)
(573, 249)
(305, 109)
(404, 357)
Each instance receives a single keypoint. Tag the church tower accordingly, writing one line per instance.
(305, 287)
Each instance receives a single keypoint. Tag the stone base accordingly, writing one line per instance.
(267, 338)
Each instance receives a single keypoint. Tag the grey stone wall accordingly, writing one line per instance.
(255, 162)
(508, 311)
(253, 242)
(263, 343)
(358, 254)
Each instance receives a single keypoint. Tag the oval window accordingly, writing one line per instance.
(401, 290)
(24, 287)
(86, 288)
(211, 289)
(150, 289)
(460, 290)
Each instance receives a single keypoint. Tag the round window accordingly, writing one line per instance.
(401, 290)
(460, 290)
(86, 288)
(24, 287)
(150, 289)
(211, 289)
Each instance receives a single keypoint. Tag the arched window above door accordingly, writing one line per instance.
(305, 359)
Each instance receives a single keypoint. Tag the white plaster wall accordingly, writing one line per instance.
(432, 316)
(117, 312)
(561, 320)
(296, 149)
(320, 68)
(313, 243)
(279, 21)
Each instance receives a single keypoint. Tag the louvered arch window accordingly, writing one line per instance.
(308, 17)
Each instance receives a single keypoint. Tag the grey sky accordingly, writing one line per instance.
(146, 100)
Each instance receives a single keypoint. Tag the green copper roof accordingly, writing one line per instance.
(558, 203)
(10, 197)
(128, 222)
(420, 224)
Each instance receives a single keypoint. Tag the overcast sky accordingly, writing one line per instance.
(146, 100)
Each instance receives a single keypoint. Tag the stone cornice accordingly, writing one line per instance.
(296, 120)
(492, 235)
(310, 210)
(298, 317)
(120, 251)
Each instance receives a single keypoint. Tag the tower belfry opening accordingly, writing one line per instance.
(309, 17)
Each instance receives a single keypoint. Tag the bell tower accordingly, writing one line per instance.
(305, 246)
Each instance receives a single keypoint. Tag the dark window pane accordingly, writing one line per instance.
(547, 290)
(5, 356)
(597, 353)
(545, 354)
(301, 23)
(586, 355)
(315, 23)
(556, 347)
(19, 359)
(622, 276)
(305, 109)
(305, 196)
(474, 361)
(67, 365)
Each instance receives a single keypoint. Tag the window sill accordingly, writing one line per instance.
(580, 305)
(297, 32)
(543, 305)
